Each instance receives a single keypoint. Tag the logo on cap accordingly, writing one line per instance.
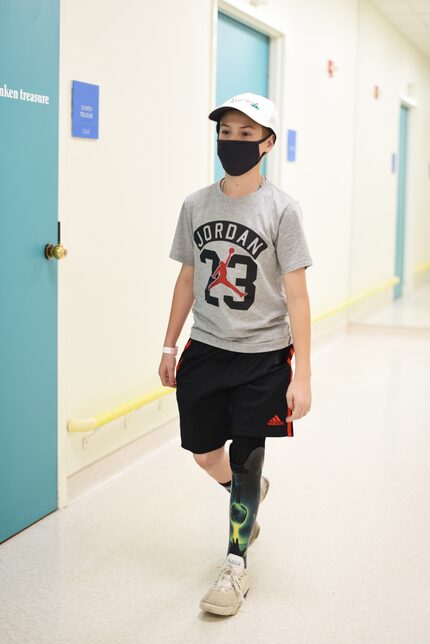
(245, 100)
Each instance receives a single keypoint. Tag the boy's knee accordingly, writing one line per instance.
(208, 459)
(242, 446)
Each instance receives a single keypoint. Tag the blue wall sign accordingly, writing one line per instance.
(85, 110)
(291, 145)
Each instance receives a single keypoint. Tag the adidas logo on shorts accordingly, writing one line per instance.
(275, 420)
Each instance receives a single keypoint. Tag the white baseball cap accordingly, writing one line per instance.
(261, 109)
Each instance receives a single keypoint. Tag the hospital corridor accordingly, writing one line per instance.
(214, 322)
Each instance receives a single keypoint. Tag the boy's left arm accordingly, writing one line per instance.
(299, 391)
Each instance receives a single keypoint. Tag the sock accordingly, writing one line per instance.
(226, 485)
(244, 501)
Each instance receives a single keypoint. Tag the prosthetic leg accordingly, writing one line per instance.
(244, 494)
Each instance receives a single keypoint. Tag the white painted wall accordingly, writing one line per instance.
(387, 59)
(120, 195)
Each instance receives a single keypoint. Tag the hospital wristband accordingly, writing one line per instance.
(172, 350)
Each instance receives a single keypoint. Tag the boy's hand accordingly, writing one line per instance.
(299, 398)
(166, 370)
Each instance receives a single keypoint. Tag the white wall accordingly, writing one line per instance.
(120, 195)
(390, 61)
(321, 109)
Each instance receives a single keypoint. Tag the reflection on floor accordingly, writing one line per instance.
(343, 552)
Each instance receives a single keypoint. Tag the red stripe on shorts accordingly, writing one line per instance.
(290, 431)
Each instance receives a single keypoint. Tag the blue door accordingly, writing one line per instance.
(29, 60)
(401, 200)
(242, 66)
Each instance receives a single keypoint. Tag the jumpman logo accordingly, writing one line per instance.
(221, 271)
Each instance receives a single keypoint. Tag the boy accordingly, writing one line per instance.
(244, 255)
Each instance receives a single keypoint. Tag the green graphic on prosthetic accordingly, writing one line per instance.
(238, 513)
(244, 501)
(238, 516)
(242, 515)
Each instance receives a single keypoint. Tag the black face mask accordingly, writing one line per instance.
(237, 157)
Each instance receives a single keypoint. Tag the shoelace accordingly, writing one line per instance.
(226, 579)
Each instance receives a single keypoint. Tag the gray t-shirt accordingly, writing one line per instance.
(239, 248)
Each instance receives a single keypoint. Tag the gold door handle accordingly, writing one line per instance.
(57, 251)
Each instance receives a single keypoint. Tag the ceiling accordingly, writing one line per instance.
(412, 18)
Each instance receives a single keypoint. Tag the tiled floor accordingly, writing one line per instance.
(343, 555)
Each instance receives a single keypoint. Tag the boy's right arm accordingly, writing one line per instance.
(182, 301)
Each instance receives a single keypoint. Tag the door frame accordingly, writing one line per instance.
(409, 102)
(250, 16)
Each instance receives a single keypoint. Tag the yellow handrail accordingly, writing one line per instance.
(349, 301)
(89, 424)
(420, 268)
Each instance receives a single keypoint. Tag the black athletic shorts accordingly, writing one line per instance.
(223, 393)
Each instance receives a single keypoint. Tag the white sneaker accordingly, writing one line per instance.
(229, 589)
